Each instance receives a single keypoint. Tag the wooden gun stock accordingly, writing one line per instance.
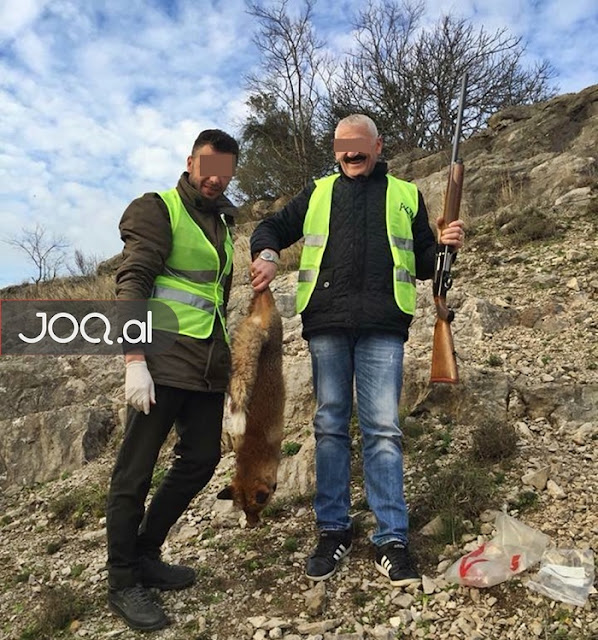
(444, 362)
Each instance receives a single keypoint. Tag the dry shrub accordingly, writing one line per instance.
(526, 225)
(289, 258)
(461, 492)
(57, 608)
(456, 493)
(75, 288)
(494, 440)
(242, 256)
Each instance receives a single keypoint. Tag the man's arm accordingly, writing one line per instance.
(283, 228)
(276, 233)
(145, 230)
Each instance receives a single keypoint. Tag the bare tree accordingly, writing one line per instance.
(405, 77)
(408, 78)
(83, 265)
(282, 129)
(376, 76)
(497, 77)
(46, 252)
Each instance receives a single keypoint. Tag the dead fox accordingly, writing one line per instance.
(257, 406)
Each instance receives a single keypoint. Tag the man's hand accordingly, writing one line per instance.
(139, 386)
(262, 273)
(453, 234)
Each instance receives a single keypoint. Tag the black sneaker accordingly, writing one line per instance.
(137, 608)
(394, 562)
(167, 577)
(332, 546)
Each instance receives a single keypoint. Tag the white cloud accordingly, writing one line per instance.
(33, 52)
(17, 14)
(101, 102)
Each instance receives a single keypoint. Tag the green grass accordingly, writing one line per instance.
(23, 576)
(290, 448)
(291, 544)
(158, 476)
(77, 570)
(54, 546)
(494, 360)
(360, 598)
(80, 505)
(526, 501)
(412, 429)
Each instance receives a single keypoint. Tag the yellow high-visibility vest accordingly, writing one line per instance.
(195, 295)
(401, 208)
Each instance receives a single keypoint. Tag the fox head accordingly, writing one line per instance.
(251, 499)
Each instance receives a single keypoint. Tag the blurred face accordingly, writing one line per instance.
(356, 149)
(210, 171)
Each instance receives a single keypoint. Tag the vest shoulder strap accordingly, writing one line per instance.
(173, 202)
(408, 192)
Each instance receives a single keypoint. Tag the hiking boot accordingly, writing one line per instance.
(332, 546)
(394, 562)
(167, 577)
(137, 608)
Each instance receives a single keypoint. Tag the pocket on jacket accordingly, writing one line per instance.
(325, 279)
(218, 366)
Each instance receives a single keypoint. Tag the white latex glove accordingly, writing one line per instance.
(139, 386)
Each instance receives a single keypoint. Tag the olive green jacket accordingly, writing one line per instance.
(200, 365)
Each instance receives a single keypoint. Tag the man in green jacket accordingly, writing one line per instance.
(178, 251)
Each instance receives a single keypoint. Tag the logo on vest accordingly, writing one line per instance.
(406, 209)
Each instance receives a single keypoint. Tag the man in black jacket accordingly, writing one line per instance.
(178, 251)
(366, 240)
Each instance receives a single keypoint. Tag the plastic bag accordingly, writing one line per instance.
(566, 575)
(514, 548)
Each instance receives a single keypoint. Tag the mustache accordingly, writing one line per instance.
(354, 159)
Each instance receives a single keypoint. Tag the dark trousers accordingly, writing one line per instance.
(132, 530)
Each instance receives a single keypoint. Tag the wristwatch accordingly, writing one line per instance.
(269, 256)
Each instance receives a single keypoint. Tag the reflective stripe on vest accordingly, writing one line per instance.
(190, 274)
(196, 296)
(401, 208)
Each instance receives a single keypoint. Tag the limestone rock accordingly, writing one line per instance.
(537, 478)
(555, 490)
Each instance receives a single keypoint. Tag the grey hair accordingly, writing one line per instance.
(359, 119)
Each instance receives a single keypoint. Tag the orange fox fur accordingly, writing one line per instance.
(257, 406)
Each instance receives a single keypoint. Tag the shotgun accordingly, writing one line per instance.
(444, 361)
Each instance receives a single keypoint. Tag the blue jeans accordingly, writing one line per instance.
(375, 361)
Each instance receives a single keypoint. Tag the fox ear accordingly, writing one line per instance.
(226, 493)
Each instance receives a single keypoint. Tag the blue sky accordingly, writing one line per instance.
(100, 100)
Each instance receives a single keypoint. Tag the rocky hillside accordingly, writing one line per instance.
(518, 433)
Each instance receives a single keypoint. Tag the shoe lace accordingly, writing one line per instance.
(398, 556)
(139, 595)
(327, 545)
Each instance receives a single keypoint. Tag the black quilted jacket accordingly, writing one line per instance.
(355, 287)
